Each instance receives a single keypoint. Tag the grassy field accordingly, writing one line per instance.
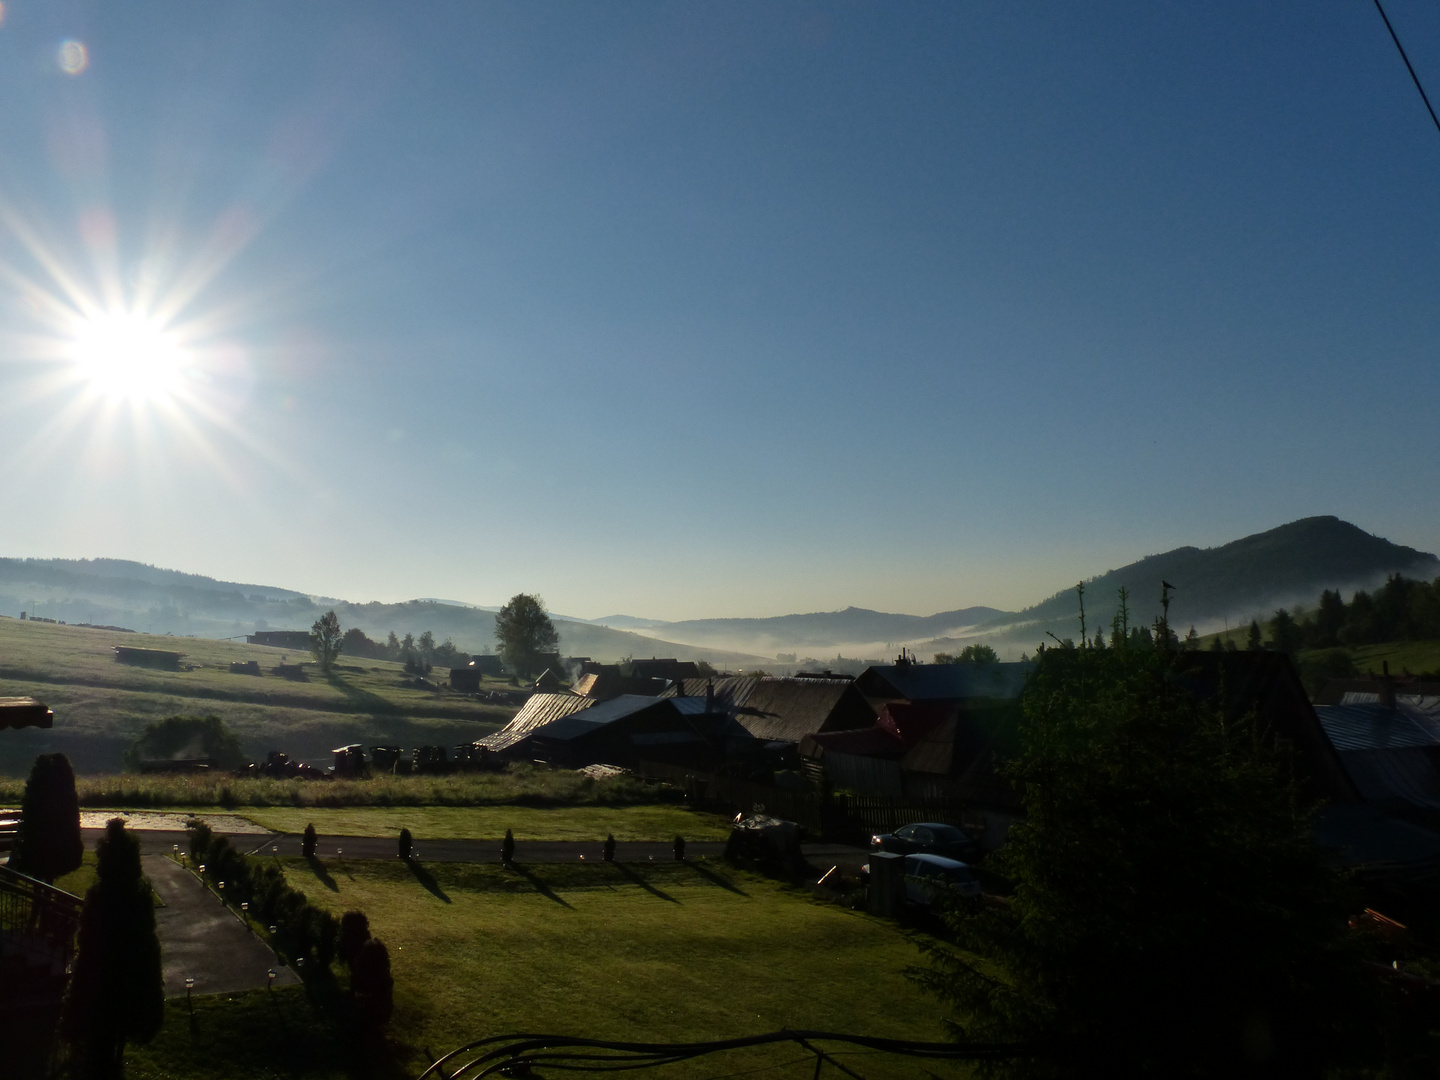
(1413, 657)
(101, 705)
(629, 823)
(259, 1035)
(645, 951)
(520, 784)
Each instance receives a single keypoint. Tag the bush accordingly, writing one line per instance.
(507, 848)
(407, 843)
(307, 842)
(186, 738)
(610, 848)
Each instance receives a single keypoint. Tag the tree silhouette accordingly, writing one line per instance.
(525, 634)
(326, 640)
(116, 991)
(48, 843)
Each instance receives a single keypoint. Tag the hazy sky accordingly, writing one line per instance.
(700, 309)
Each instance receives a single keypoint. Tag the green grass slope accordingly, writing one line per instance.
(102, 705)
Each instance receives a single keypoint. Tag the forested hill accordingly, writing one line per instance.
(115, 592)
(824, 629)
(1294, 562)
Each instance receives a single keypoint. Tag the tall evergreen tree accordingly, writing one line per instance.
(1252, 637)
(116, 990)
(48, 843)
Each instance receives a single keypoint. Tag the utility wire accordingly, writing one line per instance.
(1408, 66)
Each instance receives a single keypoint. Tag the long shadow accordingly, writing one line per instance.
(638, 880)
(427, 879)
(539, 886)
(716, 879)
(318, 869)
(363, 699)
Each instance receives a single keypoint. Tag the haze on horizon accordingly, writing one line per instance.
(688, 311)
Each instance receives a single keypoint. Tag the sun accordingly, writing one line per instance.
(124, 356)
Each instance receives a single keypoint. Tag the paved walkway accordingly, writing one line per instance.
(202, 940)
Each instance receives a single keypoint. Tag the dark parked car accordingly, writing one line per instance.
(929, 838)
(929, 878)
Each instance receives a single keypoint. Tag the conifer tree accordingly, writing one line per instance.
(116, 990)
(48, 844)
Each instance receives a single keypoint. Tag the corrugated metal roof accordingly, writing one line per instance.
(1372, 727)
(1407, 775)
(790, 709)
(730, 690)
(576, 724)
(538, 712)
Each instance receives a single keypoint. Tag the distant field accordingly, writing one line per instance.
(101, 705)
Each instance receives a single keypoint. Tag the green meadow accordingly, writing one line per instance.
(101, 705)
(649, 952)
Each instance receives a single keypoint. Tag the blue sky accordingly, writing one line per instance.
(702, 309)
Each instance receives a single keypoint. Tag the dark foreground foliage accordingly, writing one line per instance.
(1171, 914)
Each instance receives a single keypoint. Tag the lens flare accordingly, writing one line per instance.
(72, 56)
(123, 356)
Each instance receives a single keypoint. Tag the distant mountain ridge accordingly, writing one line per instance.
(1235, 581)
(1285, 565)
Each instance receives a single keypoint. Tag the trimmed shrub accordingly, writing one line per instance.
(407, 843)
(373, 986)
(49, 843)
(308, 841)
(354, 932)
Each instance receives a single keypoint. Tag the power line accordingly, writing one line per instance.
(1408, 66)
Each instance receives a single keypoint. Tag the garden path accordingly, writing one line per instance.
(202, 939)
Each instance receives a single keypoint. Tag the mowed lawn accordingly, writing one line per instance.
(649, 952)
(626, 823)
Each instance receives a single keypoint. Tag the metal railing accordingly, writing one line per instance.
(9, 829)
(37, 921)
(517, 1055)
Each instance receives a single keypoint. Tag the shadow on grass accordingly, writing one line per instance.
(716, 879)
(363, 700)
(427, 879)
(638, 880)
(539, 886)
(322, 875)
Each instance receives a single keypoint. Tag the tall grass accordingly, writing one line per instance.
(520, 785)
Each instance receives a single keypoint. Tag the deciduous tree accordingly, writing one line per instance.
(326, 640)
(525, 634)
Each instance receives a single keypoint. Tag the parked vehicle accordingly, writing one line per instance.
(929, 878)
(929, 837)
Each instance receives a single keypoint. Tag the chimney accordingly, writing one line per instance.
(1387, 686)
